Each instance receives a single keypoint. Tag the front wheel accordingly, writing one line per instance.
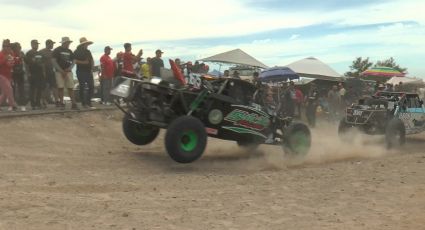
(345, 131)
(395, 133)
(185, 139)
(297, 139)
(137, 133)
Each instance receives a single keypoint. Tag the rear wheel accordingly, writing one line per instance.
(395, 133)
(137, 133)
(297, 139)
(185, 139)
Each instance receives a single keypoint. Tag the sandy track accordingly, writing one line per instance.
(78, 172)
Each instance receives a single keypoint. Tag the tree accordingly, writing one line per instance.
(391, 63)
(358, 66)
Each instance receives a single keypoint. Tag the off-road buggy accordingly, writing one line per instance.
(220, 108)
(393, 114)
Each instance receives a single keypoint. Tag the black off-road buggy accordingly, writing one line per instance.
(220, 108)
(393, 114)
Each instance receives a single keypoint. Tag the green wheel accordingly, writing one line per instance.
(137, 133)
(297, 139)
(185, 139)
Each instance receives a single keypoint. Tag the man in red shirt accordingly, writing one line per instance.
(129, 59)
(107, 66)
(6, 65)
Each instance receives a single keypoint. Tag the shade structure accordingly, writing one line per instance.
(236, 56)
(278, 73)
(406, 81)
(312, 67)
(381, 71)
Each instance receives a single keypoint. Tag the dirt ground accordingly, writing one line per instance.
(77, 171)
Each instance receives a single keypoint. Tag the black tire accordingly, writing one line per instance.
(185, 139)
(395, 134)
(137, 133)
(297, 139)
(343, 130)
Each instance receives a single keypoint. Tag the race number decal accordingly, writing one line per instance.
(357, 113)
(194, 80)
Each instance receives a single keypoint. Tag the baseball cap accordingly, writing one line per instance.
(49, 41)
(127, 45)
(107, 48)
(158, 51)
(34, 41)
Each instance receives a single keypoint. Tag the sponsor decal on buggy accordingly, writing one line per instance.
(247, 119)
(252, 109)
(357, 112)
(243, 130)
(211, 131)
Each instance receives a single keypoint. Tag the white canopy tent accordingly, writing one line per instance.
(313, 68)
(407, 81)
(236, 56)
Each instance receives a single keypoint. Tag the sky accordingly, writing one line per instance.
(275, 32)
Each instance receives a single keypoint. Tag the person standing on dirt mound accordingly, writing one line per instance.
(34, 61)
(157, 63)
(84, 60)
(51, 88)
(19, 76)
(128, 60)
(6, 65)
(63, 61)
(107, 66)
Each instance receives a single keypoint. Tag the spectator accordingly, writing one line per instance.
(6, 65)
(49, 73)
(128, 60)
(63, 61)
(334, 101)
(146, 69)
(34, 61)
(226, 73)
(18, 76)
(196, 67)
(84, 61)
(107, 67)
(299, 100)
(179, 64)
(312, 103)
(236, 74)
(157, 63)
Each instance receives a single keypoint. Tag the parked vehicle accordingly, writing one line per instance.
(393, 114)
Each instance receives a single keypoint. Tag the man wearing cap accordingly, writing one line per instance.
(129, 59)
(107, 67)
(84, 60)
(49, 73)
(34, 61)
(63, 61)
(157, 63)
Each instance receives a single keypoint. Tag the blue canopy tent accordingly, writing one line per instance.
(278, 74)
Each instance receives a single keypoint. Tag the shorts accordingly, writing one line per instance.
(65, 82)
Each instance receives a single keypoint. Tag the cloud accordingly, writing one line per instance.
(276, 32)
(307, 5)
(33, 4)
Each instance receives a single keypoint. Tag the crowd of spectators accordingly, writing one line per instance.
(45, 76)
